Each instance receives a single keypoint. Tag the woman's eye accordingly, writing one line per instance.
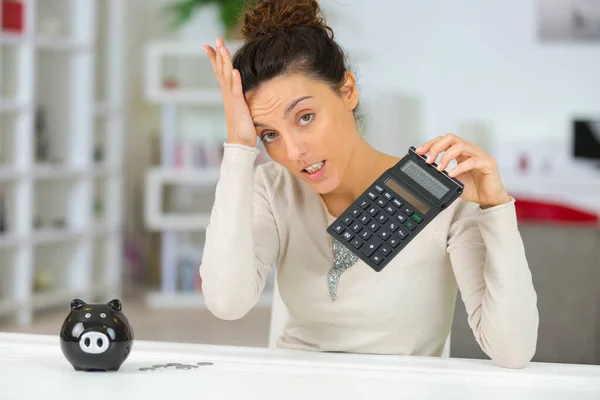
(306, 118)
(269, 137)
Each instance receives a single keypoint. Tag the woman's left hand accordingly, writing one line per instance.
(476, 169)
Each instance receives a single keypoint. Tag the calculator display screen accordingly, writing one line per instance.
(429, 183)
(419, 205)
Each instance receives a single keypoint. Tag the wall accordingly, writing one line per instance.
(480, 60)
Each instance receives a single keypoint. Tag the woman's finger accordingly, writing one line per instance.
(440, 145)
(427, 145)
(480, 163)
(227, 67)
(212, 55)
(236, 83)
(453, 152)
(219, 62)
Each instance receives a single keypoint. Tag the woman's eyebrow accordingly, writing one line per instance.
(287, 110)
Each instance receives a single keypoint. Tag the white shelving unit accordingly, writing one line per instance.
(60, 204)
(191, 111)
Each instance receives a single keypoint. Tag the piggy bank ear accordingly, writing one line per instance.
(77, 304)
(115, 304)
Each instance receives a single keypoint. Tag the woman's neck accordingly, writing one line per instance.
(365, 166)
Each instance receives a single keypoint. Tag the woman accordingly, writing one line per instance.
(289, 87)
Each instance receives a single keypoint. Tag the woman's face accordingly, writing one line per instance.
(306, 127)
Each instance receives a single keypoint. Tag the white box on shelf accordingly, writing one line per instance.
(156, 179)
(155, 90)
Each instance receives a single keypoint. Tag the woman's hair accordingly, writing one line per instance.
(288, 37)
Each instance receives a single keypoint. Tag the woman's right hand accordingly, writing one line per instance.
(240, 127)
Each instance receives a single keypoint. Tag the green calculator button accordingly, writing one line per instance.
(417, 218)
(410, 225)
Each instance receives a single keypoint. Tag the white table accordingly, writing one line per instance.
(33, 367)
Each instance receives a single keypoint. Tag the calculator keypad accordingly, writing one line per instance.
(377, 223)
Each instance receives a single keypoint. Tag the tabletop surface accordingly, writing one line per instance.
(33, 367)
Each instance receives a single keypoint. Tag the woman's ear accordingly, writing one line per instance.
(350, 91)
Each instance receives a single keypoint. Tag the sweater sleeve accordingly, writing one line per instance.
(495, 283)
(241, 243)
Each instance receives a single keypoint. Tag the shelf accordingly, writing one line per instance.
(7, 275)
(7, 38)
(103, 109)
(9, 173)
(56, 171)
(53, 299)
(193, 300)
(46, 43)
(9, 240)
(54, 44)
(12, 106)
(102, 170)
(46, 236)
(7, 306)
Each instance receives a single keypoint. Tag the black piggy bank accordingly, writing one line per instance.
(96, 337)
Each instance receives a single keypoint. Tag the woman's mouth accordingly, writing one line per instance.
(314, 171)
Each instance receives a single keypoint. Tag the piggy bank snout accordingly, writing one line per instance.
(94, 342)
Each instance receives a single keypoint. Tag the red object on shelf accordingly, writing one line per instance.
(12, 16)
(545, 212)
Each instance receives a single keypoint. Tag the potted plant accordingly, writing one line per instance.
(182, 11)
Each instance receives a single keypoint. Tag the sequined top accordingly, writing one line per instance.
(265, 216)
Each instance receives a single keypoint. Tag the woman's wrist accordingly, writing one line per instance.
(504, 198)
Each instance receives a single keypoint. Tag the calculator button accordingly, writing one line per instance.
(372, 195)
(377, 258)
(356, 227)
(355, 212)
(379, 188)
(364, 219)
(390, 210)
(417, 218)
(357, 242)
(384, 234)
(339, 228)
(392, 226)
(388, 196)
(410, 225)
(382, 203)
(347, 220)
(402, 233)
(373, 211)
(348, 235)
(364, 204)
(385, 250)
(382, 218)
(365, 234)
(407, 210)
(394, 242)
(374, 226)
(397, 203)
(401, 217)
(371, 246)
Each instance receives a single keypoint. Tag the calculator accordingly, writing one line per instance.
(395, 209)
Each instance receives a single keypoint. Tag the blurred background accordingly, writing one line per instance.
(111, 132)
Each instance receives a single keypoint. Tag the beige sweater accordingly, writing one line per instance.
(264, 216)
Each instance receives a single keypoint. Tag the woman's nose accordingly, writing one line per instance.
(296, 150)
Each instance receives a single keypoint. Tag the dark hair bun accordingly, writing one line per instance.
(266, 17)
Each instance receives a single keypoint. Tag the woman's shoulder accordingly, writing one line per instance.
(275, 177)
(282, 186)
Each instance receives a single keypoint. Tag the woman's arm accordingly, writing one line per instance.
(242, 243)
(495, 283)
